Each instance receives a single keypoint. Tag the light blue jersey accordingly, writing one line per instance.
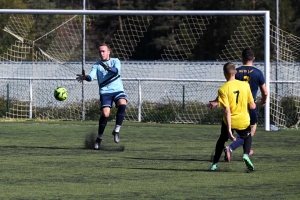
(108, 81)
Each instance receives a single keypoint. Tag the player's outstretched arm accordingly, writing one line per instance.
(212, 104)
(107, 68)
(264, 94)
(81, 77)
(227, 114)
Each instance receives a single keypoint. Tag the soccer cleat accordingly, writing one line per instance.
(248, 162)
(213, 167)
(228, 152)
(251, 152)
(116, 137)
(97, 143)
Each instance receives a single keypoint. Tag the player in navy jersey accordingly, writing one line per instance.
(108, 70)
(247, 72)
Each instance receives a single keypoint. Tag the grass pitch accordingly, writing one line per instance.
(53, 160)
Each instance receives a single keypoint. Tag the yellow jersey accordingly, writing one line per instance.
(236, 95)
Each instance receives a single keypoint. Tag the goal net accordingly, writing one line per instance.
(165, 77)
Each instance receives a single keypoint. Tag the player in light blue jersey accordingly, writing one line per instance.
(108, 70)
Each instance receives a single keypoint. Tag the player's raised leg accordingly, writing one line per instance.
(234, 145)
(121, 104)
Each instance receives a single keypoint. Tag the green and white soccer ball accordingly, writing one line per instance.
(61, 93)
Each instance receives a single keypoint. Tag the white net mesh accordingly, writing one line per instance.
(19, 26)
(284, 70)
(246, 35)
(170, 90)
(128, 37)
(46, 63)
(185, 38)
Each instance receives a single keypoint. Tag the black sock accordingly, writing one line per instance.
(247, 144)
(120, 114)
(102, 124)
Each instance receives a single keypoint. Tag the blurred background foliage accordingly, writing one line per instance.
(102, 28)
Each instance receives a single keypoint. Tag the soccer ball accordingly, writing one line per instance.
(61, 93)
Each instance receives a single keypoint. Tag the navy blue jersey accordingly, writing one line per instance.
(253, 76)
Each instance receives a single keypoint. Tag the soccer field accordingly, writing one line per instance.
(48, 160)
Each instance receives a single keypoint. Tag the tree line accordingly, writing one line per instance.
(154, 41)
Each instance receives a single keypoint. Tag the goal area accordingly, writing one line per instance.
(164, 76)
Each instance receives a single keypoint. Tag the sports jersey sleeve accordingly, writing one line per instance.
(250, 96)
(113, 74)
(117, 65)
(261, 78)
(222, 99)
(92, 73)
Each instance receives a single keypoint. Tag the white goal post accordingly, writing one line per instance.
(173, 12)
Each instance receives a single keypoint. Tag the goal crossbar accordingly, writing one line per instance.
(133, 12)
(266, 15)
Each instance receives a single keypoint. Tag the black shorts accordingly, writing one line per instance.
(242, 133)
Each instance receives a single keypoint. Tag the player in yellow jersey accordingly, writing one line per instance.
(247, 72)
(234, 97)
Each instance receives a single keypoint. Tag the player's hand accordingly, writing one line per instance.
(105, 66)
(212, 104)
(263, 102)
(81, 77)
(231, 137)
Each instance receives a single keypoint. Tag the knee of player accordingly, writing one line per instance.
(122, 108)
(105, 111)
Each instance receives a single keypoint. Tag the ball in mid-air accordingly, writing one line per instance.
(61, 93)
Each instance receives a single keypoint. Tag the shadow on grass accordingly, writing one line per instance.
(180, 170)
(36, 147)
(87, 145)
(90, 140)
(171, 159)
(103, 148)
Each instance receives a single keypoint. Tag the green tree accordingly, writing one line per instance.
(161, 33)
(218, 31)
(295, 4)
(71, 4)
(6, 39)
(286, 12)
(42, 22)
(104, 27)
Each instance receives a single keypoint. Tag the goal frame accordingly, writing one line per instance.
(265, 13)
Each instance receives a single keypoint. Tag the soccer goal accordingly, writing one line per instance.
(47, 48)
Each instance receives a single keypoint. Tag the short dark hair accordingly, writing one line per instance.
(247, 54)
(229, 68)
(104, 44)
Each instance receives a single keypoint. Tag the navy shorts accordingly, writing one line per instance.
(253, 116)
(106, 100)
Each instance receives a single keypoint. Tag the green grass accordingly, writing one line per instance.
(48, 160)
